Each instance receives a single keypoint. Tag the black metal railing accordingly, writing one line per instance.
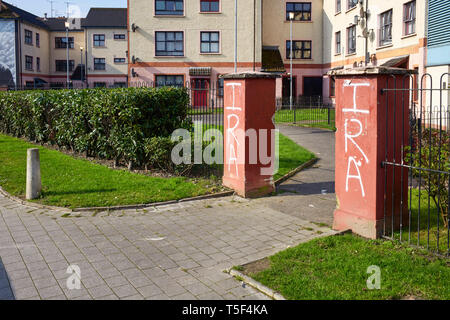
(206, 103)
(307, 111)
(65, 85)
(417, 163)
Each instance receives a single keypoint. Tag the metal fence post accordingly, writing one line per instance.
(329, 115)
(295, 111)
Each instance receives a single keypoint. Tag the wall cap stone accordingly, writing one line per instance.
(250, 75)
(371, 71)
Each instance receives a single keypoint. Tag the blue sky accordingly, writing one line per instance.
(39, 7)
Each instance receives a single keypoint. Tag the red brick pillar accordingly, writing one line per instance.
(249, 133)
(363, 113)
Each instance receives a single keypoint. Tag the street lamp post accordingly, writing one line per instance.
(291, 18)
(67, 50)
(81, 66)
(235, 35)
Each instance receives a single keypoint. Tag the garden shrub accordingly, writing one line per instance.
(113, 124)
(158, 152)
(158, 155)
(428, 147)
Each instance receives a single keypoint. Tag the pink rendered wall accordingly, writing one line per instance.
(147, 74)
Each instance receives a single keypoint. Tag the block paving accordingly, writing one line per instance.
(177, 251)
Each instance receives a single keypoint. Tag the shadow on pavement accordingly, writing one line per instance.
(309, 188)
(6, 292)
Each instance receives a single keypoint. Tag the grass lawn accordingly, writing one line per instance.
(291, 156)
(314, 117)
(420, 219)
(75, 183)
(336, 268)
(205, 110)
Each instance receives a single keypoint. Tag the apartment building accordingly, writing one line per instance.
(57, 58)
(33, 50)
(172, 42)
(307, 46)
(179, 41)
(438, 56)
(107, 45)
(392, 33)
(24, 48)
(175, 41)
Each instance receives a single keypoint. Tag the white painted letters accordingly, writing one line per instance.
(233, 141)
(355, 172)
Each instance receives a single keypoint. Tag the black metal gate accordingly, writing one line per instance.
(206, 104)
(419, 164)
(307, 111)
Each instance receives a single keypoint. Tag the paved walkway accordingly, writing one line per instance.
(171, 252)
(310, 194)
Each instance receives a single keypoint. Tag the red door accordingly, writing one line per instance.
(200, 93)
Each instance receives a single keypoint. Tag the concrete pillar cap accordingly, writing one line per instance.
(250, 75)
(361, 71)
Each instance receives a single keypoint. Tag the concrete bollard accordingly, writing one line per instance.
(34, 185)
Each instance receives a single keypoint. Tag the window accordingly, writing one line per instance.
(28, 62)
(99, 64)
(409, 18)
(338, 6)
(120, 84)
(119, 37)
(38, 64)
(99, 84)
(351, 4)
(209, 6)
(38, 40)
(169, 43)
(119, 60)
(300, 49)
(386, 28)
(28, 37)
(99, 40)
(351, 40)
(337, 37)
(209, 42)
(169, 7)
(169, 81)
(61, 43)
(302, 10)
(61, 65)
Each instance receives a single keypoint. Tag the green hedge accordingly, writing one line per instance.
(103, 123)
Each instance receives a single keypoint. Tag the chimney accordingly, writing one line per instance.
(45, 15)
